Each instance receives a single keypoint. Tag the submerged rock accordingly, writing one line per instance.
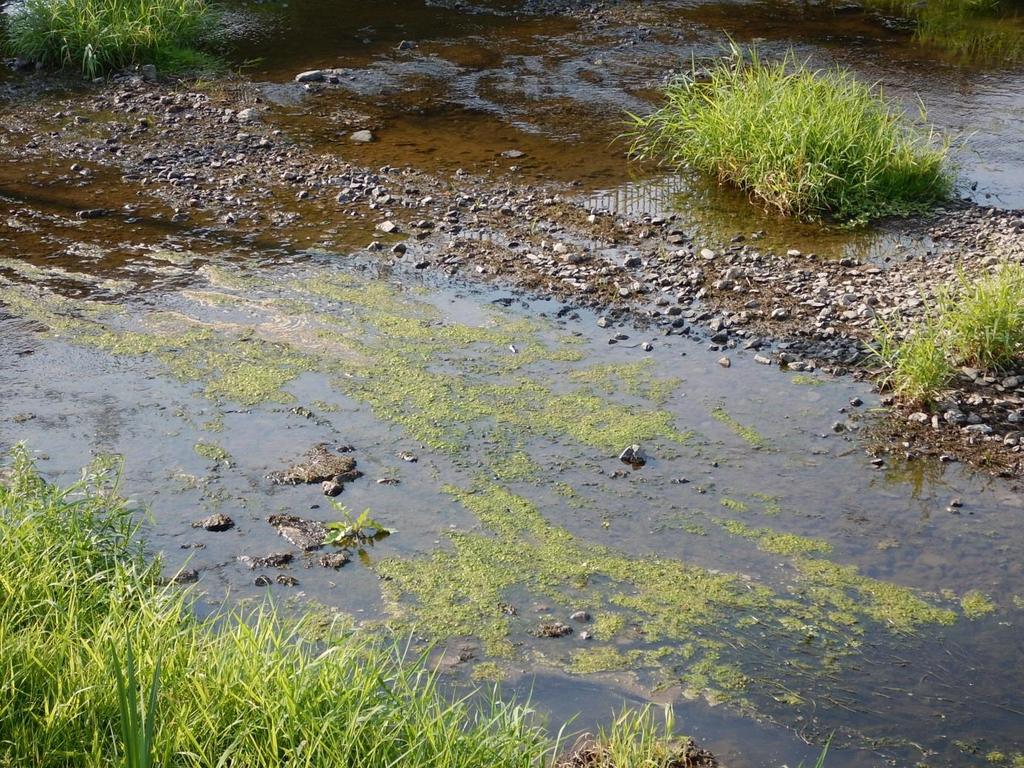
(305, 534)
(334, 560)
(320, 464)
(273, 560)
(184, 576)
(217, 523)
(332, 488)
(553, 629)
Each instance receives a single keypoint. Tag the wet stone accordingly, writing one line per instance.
(184, 576)
(217, 523)
(580, 616)
(633, 455)
(273, 560)
(333, 560)
(305, 534)
(553, 629)
(321, 463)
(331, 488)
(262, 581)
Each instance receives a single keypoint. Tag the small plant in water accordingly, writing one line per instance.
(355, 533)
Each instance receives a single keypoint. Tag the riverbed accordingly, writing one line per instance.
(762, 568)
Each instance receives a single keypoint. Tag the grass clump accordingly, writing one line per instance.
(98, 36)
(635, 741)
(916, 367)
(976, 322)
(102, 666)
(803, 143)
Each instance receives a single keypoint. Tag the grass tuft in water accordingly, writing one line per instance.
(98, 36)
(976, 322)
(635, 741)
(803, 143)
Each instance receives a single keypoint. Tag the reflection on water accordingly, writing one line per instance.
(718, 214)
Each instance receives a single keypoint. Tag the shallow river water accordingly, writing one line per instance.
(760, 572)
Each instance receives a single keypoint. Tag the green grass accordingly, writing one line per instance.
(811, 144)
(984, 318)
(916, 367)
(975, 322)
(633, 740)
(100, 665)
(98, 36)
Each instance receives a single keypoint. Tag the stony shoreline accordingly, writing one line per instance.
(217, 163)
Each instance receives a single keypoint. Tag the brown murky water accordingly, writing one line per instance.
(761, 455)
